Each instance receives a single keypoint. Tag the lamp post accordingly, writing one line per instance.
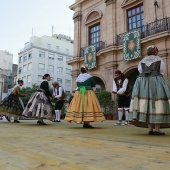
(156, 6)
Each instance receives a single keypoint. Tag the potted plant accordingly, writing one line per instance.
(110, 110)
(105, 98)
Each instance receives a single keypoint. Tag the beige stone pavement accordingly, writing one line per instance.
(67, 146)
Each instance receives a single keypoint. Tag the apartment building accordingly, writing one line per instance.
(6, 68)
(43, 55)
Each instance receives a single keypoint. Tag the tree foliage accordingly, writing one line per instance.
(104, 98)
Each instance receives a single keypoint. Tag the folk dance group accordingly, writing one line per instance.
(148, 106)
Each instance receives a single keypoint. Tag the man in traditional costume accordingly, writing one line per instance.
(84, 106)
(58, 93)
(150, 102)
(122, 89)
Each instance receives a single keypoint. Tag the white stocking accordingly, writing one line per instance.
(56, 114)
(127, 114)
(120, 115)
(59, 115)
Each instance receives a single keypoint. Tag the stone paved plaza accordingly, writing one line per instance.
(65, 146)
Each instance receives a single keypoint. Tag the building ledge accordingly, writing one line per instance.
(43, 49)
(76, 4)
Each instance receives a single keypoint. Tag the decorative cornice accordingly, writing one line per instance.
(110, 65)
(76, 4)
(93, 16)
(75, 59)
(109, 2)
(129, 2)
(77, 16)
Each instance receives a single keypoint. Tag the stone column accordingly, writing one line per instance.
(77, 32)
(111, 40)
(1, 87)
(110, 21)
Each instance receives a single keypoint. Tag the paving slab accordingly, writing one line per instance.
(67, 146)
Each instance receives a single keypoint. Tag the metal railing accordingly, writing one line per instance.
(99, 46)
(152, 28)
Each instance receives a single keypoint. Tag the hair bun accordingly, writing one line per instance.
(20, 81)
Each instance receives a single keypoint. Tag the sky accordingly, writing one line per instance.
(19, 17)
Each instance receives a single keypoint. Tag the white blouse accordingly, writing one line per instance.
(121, 90)
(60, 92)
(151, 59)
(83, 77)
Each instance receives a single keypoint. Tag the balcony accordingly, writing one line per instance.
(150, 29)
(99, 46)
(26, 47)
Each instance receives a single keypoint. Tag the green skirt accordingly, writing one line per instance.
(12, 106)
(150, 102)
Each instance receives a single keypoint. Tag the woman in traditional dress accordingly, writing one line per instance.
(39, 106)
(150, 102)
(12, 105)
(84, 106)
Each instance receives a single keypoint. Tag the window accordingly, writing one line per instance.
(24, 68)
(29, 78)
(41, 66)
(59, 81)
(68, 58)
(9, 86)
(20, 59)
(57, 48)
(51, 68)
(29, 66)
(19, 70)
(40, 78)
(60, 69)
(60, 58)
(30, 55)
(94, 35)
(67, 92)
(24, 79)
(52, 79)
(51, 56)
(42, 54)
(67, 51)
(25, 58)
(68, 83)
(49, 46)
(68, 71)
(135, 18)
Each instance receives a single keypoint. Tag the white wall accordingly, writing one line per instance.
(6, 60)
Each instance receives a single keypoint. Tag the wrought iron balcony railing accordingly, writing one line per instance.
(153, 28)
(99, 46)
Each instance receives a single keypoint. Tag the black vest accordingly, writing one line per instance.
(63, 94)
(152, 70)
(119, 85)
